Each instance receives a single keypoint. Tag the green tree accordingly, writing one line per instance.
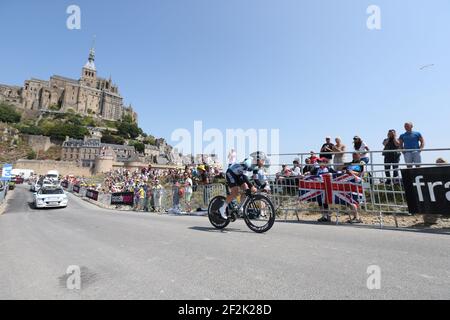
(31, 155)
(30, 129)
(75, 119)
(128, 130)
(139, 146)
(61, 130)
(88, 121)
(54, 107)
(9, 114)
(150, 140)
(107, 137)
(127, 118)
(110, 124)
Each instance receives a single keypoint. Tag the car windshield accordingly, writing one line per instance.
(52, 191)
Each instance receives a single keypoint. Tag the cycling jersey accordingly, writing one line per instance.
(239, 169)
(236, 175)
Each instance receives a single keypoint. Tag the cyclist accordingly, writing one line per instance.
(237, 178)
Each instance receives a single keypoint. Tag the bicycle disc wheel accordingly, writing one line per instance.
(259, 213)
(214, 215)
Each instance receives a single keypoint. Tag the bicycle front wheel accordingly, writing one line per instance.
(259, 213)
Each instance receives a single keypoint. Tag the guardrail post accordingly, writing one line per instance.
(371, 180)
(381, 219)
(395, 219)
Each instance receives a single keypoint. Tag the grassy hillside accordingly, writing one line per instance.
(58, 125)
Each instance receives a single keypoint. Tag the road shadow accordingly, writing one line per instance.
(32, 207)
(212, 229)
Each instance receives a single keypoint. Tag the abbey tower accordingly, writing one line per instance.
(89, 95)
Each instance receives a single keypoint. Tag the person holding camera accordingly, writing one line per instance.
(391, 159)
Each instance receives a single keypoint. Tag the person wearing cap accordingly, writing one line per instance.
(142, 194)
(327, 147)
(205, 181)
(362, 148)
(322, 167)
(203, 174)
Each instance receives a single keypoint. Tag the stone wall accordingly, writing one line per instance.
(43, 166)
(38, 143)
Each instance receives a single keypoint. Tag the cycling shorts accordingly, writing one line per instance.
(233, 180)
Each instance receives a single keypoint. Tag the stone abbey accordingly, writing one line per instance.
(90, 95)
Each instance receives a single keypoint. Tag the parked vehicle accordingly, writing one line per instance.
(50, 197)
(11, 184)
(35, 186)
(24, 173)
(44, 183)
(52, 174)
(18, 179)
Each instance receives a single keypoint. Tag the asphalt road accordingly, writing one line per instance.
(146, 256)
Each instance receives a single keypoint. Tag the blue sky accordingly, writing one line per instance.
(310, 68)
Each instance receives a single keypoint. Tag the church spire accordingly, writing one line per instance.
(92, 51)
(90, 64)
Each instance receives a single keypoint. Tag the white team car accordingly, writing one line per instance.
(50, 197)
(43, 183)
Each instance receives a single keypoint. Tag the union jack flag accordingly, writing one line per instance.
(332, 189)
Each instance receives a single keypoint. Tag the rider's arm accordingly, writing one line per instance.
(256, 179)
(247, 181)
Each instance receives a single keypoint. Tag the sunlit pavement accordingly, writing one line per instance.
(129, 255)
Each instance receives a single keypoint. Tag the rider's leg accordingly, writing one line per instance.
(244, 187)
(234, 192)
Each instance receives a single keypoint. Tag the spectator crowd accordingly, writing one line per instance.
(333, 156)
(333, 159)
(149, 185)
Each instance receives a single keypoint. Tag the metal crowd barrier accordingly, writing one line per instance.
(166, 199)
(174, 201)
(382, 192)
(3, 191)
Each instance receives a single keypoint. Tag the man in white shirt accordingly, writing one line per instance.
(296, 170)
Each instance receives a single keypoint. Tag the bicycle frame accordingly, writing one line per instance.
(241, 204)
